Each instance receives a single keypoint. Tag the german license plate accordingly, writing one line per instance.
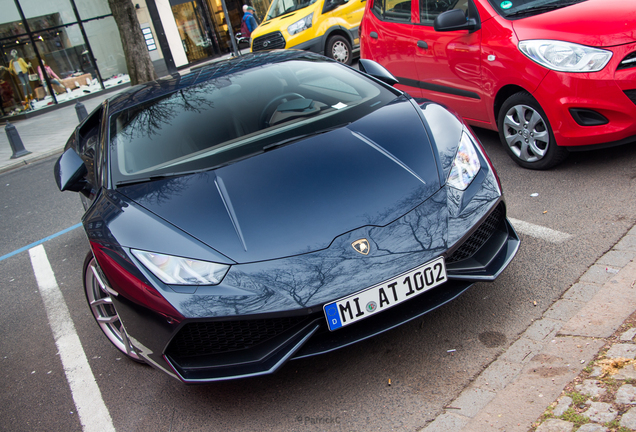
(385, 295)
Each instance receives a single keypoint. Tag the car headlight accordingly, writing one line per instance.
(565, 56)
(466, 164)
(301, 25)
(182, 271)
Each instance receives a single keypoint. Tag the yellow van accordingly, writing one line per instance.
(328, 27)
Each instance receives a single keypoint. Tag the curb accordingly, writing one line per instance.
(517, 388)
(29, 160)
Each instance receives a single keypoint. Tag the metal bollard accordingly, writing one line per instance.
(15, 142)
(80, 109)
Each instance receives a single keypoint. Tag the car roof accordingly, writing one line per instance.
(155, 89)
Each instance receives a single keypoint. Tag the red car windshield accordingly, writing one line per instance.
(515, 9)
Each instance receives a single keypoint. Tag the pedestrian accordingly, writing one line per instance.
(248, 23)
(251, 9)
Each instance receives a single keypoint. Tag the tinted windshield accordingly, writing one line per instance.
(523, 8)
(238, 115)
(281, 7)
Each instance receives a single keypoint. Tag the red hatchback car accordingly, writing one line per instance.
(549, 75)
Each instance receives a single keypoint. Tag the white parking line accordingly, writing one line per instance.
(90, 406)
(539, 231)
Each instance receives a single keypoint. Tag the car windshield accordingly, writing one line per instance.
(515, 9)
(282, 7)
(236, 116)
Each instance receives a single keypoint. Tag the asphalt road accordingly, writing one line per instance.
(590, 197)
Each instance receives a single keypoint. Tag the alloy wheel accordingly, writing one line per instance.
(103, 309)
(526, 133)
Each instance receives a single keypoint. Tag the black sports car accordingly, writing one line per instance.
(276, 206)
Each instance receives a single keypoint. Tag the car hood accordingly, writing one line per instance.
(298, 198)
(599, 23)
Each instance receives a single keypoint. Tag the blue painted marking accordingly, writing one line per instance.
(39, 242)
(333, 317)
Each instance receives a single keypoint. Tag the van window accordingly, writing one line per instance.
(393, 10)
(282, 7)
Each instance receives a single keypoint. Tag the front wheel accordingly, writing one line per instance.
(339, 49)
(103, 309)
(526, 134)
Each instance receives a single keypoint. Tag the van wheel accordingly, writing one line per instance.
(339, 49)
(526, 133)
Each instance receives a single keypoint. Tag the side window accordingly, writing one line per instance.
(87, 141)
(430, 9)
(88, 134)
(393, 10)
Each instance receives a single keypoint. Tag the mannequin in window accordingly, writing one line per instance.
(55, 80)
(20, 68)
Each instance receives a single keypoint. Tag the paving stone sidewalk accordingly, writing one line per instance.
(582, 349)
(602, 398)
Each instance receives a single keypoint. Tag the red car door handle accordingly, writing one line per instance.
(374, 35)
(422, 44)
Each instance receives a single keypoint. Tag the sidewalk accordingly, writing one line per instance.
(44, 135)
(582, 344)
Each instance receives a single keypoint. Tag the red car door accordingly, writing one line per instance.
(448, 63)
(387, 37)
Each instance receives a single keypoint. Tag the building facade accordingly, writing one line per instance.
(55, 51)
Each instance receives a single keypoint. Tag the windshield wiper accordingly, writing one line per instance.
(153, 178)
(301, 137)
(543, 8)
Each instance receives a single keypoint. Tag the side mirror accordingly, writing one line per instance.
(454, 19)
(377, 71)
(69, 173)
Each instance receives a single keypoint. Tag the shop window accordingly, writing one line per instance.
(92, 8)
(103, 36)
(196, 41)
(45, 14)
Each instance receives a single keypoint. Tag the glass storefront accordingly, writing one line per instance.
(196, 40)
(203, 26)
(48, 59)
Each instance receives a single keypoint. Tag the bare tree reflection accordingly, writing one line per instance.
(148, 119)
(161, 192)
(315, 278)
(475, 209)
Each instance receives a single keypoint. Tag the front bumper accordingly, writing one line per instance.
(205, 349)
(316, 45)
(610, 93)
(276, 40)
